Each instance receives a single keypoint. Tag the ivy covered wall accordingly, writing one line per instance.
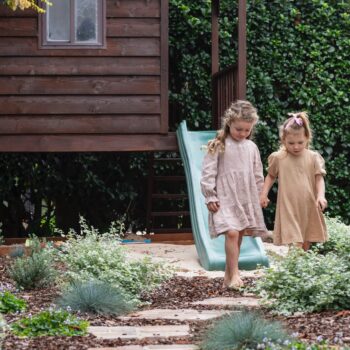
(298, 59)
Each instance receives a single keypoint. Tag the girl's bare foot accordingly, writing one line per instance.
(227, 279)
(235, 283)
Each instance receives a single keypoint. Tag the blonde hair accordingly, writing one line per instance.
(239, 110)
(296, 122)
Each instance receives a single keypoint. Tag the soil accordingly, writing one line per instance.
(176, 293)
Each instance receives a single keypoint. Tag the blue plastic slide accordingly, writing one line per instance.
(211, 252)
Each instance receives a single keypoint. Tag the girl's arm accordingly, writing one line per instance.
(321, 201)
(258, 171)
(208, 181)
(269, 181)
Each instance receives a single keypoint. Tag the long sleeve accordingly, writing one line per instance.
(258, 171)
(208, 179)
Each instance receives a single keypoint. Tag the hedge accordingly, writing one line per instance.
(298, 59)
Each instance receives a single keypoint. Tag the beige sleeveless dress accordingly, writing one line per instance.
(297, 217)
(234, 178)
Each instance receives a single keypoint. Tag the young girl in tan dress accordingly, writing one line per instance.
(232, 179)
(301, 189)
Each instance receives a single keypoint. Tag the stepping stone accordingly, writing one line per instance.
(151, 347)
(130, 332)
(229, 301)
(181, 314)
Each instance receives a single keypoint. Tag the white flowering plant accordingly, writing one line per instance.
(306, 282)
(339, 239)
(94, 255)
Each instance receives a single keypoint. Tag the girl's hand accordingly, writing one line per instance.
(264, 201)
(213, 206)
(321, 203)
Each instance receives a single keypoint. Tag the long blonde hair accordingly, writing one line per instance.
(239, 110)
(296, 122)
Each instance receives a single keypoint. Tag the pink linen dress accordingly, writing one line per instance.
(234, 178)
(297, 217)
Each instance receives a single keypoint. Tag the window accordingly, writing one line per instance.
(74, 23)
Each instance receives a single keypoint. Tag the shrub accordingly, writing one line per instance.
(242, 330)
(10, 303)
(306, 282)
(35, 271)
(94, 297)
(339, 239)
(50, 322)
(100, 256)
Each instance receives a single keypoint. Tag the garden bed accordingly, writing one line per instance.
(96, 273)
(178, 292)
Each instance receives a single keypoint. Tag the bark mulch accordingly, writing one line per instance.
(176, 293)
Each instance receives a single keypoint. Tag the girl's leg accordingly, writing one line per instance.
(306, 245)
(233, 240)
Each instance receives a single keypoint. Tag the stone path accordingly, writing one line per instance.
(185, 259)
(139, 332)
(151, 347)
(179, 314)
(165, 331)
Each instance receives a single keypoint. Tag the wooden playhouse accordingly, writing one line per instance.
(102, 87)
(92, 76)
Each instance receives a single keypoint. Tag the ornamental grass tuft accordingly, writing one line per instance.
(243, 330)
(97, 297)
(35, 271)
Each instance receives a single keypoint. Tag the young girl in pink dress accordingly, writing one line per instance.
(301, 188)
(232, 179)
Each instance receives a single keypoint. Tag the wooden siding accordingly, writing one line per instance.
(88, 143)
(71, 97)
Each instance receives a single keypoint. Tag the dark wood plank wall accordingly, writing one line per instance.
(121, 90)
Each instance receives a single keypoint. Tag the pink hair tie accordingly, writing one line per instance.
(295, 119)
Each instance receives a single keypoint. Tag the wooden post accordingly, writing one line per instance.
(242, 50)
(215, 5)
(214, 36)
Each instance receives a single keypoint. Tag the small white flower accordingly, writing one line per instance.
(319, 338)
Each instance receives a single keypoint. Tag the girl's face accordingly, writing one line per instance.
(295, 142)
(240, 129)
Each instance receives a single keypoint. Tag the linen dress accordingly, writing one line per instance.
(297, 217)
(234, 178)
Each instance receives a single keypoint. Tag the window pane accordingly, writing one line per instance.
(86, 21)
(58, 21)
